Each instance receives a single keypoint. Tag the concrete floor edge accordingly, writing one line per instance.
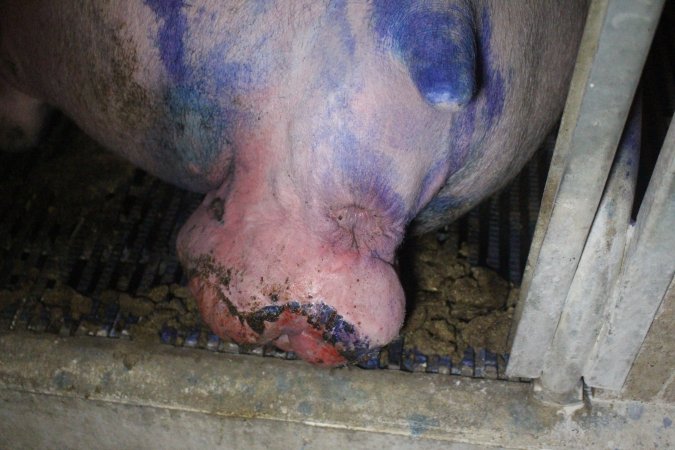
(116, 393)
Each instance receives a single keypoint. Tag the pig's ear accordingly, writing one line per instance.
(438, 45)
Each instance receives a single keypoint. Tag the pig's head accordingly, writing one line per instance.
(349, 119)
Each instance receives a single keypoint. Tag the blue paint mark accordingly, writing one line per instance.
(335, 45)
(270, 310)
(282, 383)
(342, 331)
(218, 68)
(667, 422)
(198, 99)
(195, 117)
(439, 168)
(634, 411)
(308, 310)
(420, 424)
(337, 15)
(479, 116)
(259, 7)
(343, 335)
(335, 329)
(63, 380)
(491, 76)
(324, 313)
(305, 408)
(170, 36)
(463, 132)
(365, 173)
(442, 203)
(495, 98)
(438, 46)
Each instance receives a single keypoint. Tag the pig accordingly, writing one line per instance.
(320, 132)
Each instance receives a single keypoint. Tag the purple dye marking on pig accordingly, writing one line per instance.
(429, 43)
(438, 168)
(337, 330)
(229, 77)
(492, 77)
(444, 203)
(484, 110)
(436, 45)
(170, 36)
(325, 313)
(337, 15)
(367, 173)
(463, 131)
(362, 170)
(260, 6)
(199, 100)
(443, 64)
(479, 115)
(197, 127)
(338, 61)
(495, 98)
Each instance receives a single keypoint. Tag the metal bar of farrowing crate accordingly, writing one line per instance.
(613, 51)
(597, 272)
(648, 270)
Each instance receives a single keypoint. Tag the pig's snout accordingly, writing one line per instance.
(261, 276)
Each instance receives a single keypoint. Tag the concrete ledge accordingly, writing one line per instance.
(83, 392)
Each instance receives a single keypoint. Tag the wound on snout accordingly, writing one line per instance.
(437, 44)
(329, 338)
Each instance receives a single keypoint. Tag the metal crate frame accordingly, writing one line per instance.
(594, 280)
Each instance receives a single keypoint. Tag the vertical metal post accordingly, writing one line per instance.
(613, 50)
(648, 269)
(596, 274)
